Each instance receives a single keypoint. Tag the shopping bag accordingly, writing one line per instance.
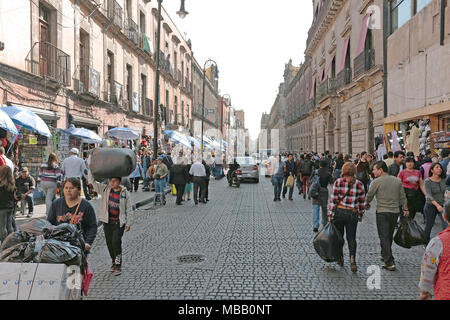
(290, 182)
(87, 277)
(174, 190)
(328, 243)
(409, 234)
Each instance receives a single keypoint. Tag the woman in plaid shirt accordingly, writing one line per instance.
(346, 208)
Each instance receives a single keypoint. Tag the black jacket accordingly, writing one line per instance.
(179, 174)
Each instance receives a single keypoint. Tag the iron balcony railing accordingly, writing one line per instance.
(364, 62)
(46, 60)
(114, 12)
(89, 81)
(131, 30)
(326, 88)
(113, 92)
(144, 42)
(343, 78)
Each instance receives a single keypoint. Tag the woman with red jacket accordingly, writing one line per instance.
(435, 273)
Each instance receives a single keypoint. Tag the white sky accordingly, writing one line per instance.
(251, 41)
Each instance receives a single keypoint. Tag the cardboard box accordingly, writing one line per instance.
(39, 281)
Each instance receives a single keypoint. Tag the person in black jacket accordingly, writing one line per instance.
(179, 176)
(7, 197)
(208, 174)
(289, 169)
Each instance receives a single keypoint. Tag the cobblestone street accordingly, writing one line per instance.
(253, 248)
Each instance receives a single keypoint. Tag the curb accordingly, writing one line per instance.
(142, 203)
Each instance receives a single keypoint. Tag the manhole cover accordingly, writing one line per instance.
(192, 258)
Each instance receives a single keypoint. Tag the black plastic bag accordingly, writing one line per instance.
(409, 234)
(35, 226)
(65, 232)
(16, 253)
(15, 238)
(328, 243)
(54, 251)
(112, 162)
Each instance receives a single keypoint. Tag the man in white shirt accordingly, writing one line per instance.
(9, 163)
(74, 166)
(199, 172)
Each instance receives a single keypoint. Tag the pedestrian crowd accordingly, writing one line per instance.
(341, 190)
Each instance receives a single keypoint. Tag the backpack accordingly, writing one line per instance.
(305, 167)
(315, 185)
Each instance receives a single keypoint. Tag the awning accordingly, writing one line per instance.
(85, 121)
(362, 38)
(328, 69)
(313, 84)
(344, 54)
(46, 115)
(436, 109)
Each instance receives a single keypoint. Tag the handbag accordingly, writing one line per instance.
(290, 181)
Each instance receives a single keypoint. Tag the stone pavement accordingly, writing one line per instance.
(253, 248)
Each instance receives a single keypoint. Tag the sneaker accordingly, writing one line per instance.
(113, 267)
(390, 268)
(304, 196)
(315, 230)
(118, 260)
(275, 199)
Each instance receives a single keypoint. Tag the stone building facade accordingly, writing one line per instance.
(92, 64)
(335, 101)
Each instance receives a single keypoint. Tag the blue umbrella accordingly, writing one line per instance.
(178, 137)
(7, 124)
(27, 119)
(87, 136)
(123, 134)
(195, 141)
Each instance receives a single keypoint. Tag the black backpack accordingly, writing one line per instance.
(305, 167)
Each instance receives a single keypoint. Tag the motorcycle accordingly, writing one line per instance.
(234, 178)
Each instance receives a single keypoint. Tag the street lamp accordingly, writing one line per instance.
(221, 120)
(203, 98)
(182, 13)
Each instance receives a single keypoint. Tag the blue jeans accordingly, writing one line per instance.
(160, 186)
(316, 215)
(277, 186)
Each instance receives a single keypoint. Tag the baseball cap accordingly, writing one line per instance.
(24, 169)
(74, 150)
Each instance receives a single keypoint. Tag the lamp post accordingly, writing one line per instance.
(203, 96)
(182, 13)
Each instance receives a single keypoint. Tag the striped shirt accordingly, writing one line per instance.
(355, 199)
(49, 175)
(113, 206)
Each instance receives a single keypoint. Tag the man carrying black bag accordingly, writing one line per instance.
(390, 196)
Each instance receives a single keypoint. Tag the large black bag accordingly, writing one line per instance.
(108, 163)
(409, 234)
(328, 243)
(14, 239)
(35, 226)
(65, 232)
(54, 251)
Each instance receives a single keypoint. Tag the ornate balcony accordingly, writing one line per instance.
(49, 62)
(364, 62)
(113, 92)
(114, 13)
(89, 82)
(343, 78)
(131, 30)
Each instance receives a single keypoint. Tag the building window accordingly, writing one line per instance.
(420, 4)
(44, 13)
(400, 13)
(129, 77)
(143, 92)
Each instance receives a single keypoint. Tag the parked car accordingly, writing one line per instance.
(249, 169)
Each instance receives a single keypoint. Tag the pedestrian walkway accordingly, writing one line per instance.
(242, 245)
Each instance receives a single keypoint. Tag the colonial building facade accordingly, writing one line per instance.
(336, 100)
(92, 64)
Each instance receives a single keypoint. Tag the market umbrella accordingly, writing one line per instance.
(87, 136)
(7, 124)
(123, 134)
(178, 137)
(27, 119)
(197, 143)
(206, 142)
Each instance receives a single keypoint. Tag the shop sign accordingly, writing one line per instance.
(32, 140)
